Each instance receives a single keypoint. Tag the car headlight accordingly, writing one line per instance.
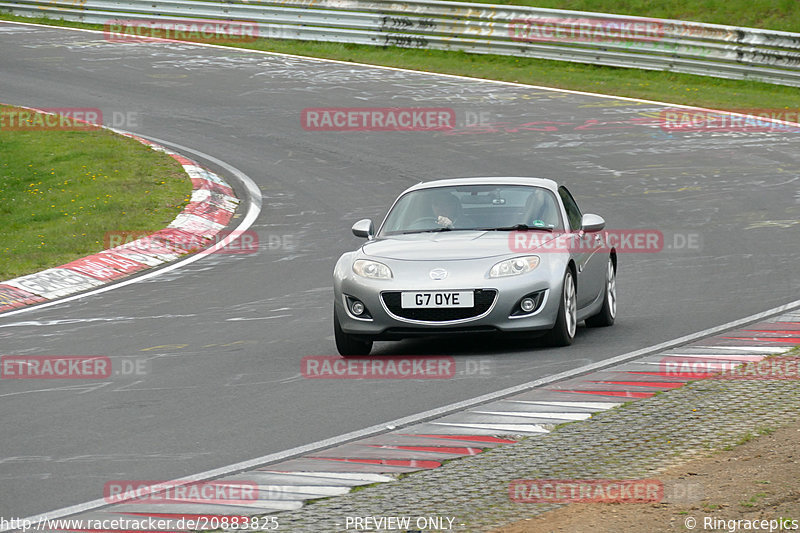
(513, 267)
(372, 269)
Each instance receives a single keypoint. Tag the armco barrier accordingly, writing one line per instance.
(596, 38)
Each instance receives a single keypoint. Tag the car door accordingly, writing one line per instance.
(586, 251)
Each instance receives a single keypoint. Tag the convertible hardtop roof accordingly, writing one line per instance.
(533, 182)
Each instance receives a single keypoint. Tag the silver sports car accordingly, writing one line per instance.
(508, 255)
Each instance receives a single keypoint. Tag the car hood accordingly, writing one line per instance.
(446, 245)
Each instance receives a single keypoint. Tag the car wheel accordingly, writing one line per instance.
(348, 344)
(563, 332)
(609, 310)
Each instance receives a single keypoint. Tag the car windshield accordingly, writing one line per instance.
(473, 207)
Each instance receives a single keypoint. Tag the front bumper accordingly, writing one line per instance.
(387, 322)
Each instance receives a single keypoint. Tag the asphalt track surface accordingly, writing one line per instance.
(225, 336)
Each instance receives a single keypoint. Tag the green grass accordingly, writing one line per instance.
(747, 437)
(61, 191)
(651, 85)
(773, 14)
(754, 500)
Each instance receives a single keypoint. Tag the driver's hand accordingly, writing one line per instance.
(444, 221)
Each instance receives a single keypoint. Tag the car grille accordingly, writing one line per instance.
(483, 300)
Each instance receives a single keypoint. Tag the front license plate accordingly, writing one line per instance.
(427, 300)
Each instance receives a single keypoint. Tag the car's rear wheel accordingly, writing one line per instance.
(348, 344)
(563, 332)
(608, 312)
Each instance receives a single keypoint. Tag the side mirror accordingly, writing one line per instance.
(590, 223)
(364, 228)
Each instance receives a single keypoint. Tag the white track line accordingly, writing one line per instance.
(341, 476)
(535, 414)
(505, 428)
(750, 349)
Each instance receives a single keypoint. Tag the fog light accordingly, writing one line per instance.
(357, 308)
(527, 304)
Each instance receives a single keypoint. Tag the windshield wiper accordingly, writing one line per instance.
(434, 230)
(520, 227)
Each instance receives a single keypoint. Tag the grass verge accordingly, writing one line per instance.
(780, 15)
(61, 191)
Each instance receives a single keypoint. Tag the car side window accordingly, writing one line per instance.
(573, 213)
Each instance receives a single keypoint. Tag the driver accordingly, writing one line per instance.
(446, 209)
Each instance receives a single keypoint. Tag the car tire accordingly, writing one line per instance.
(563, 332)
(348, 345)
(608, 312)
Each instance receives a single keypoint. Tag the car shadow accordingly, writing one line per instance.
(468, 345)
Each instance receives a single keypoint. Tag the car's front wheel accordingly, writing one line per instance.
(563, 332)
(609, 310)
(348, 344)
